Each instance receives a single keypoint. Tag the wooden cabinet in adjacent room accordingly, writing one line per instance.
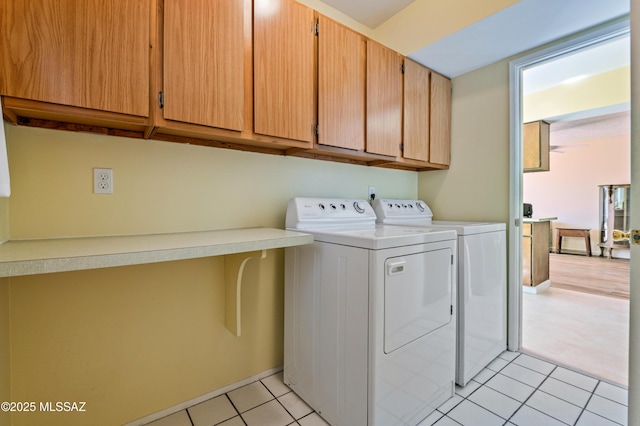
(535, 252)
(535, 146)
(203, 64)
(89, 54)
(384, 100)
(341, 86)
(284, 70)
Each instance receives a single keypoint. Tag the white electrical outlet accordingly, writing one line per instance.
(372, 193)
(102, 181)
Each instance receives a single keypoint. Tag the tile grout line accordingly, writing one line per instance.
(277, 398)
(585, 405)
(523, 403)
(234, 406)
(475, 390)
(189, 416)
(532, 393)
(591, 393)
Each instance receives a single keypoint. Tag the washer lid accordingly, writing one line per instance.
(379, 236)
(470, 228)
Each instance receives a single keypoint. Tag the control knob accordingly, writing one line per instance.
(359, 209)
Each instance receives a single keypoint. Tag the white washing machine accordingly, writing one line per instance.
(369, 315)
(482, 282)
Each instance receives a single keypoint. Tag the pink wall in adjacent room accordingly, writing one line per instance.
(569, 191)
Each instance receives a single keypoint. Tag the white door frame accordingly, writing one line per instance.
(516, 68)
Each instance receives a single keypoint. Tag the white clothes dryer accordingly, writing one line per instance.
(482, 282)
(369, 315)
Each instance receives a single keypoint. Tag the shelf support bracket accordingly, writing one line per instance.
(233, 271)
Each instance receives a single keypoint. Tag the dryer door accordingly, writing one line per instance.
(418, 291)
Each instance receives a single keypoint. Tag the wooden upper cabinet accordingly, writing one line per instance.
(83, 53)
(284, 70)
(204, 62)
(416, 111)
(535, 148)
(341, 86)
(384, 100)
(440, 134)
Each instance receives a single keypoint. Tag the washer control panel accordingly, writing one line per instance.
(315, 212)
(389, 209)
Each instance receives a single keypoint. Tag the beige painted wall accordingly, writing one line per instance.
(165, 187)
(601, 90)
(5, 353)
(4, 219)
(5, 317)
(476, 187)
(135, 340)
(426, 21)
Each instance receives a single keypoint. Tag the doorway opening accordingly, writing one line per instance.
(535, 315)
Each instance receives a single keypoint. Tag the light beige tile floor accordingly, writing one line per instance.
(584, 331)
(515, 389)
(266, 402)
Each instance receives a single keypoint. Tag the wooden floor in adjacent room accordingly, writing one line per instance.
(582, 320)
(596, 275)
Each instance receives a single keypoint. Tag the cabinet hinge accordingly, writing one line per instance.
(161, 100)
(316, 132)
(402, 148)
(316, 29)
(402, 68)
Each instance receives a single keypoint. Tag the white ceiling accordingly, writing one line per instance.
(371, 13)
(594, 128)
(601, 58)
(515, 29)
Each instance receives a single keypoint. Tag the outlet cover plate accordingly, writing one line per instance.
(102, 181)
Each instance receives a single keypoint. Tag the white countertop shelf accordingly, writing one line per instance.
(538, 219)
(28, 257)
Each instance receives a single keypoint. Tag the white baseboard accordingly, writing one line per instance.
(538, 288)
(184, 405)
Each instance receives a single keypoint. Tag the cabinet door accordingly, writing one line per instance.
(341, 86)
(527, 260)
(535, 146)
(384, 100)
(284, 70)
(204, 62)
(416, 111)
(440, 132)
(84, 53)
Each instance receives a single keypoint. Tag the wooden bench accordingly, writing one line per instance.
(569, 232)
